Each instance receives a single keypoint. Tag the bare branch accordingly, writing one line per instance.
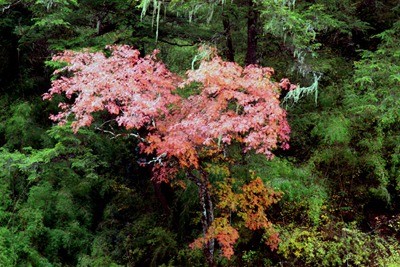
(10, 5)
(158, 159)
(114, 135)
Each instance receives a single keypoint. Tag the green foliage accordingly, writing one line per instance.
(336, 245)
(333, 129)
(373, 105)
(299, 23)
(376, 75)
(178, 58)
(100, 254)
(46, 213)
(304, 194)
(14, 125)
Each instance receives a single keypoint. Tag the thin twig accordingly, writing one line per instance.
(114, 135)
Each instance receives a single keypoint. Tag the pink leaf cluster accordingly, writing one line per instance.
(137, 90)
(234, 103)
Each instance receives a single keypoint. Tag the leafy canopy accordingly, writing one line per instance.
(234, 103)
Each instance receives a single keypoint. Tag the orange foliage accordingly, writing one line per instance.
(250, 205)
(225, 234)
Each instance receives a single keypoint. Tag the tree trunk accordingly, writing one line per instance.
(207, 217)
(162, 190)
(207, 212)
(229, 45)
(251, 56)
(161, 197)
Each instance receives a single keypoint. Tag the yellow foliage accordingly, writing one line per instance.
(336, 244)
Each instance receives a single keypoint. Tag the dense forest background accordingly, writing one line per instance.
(84, 200)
